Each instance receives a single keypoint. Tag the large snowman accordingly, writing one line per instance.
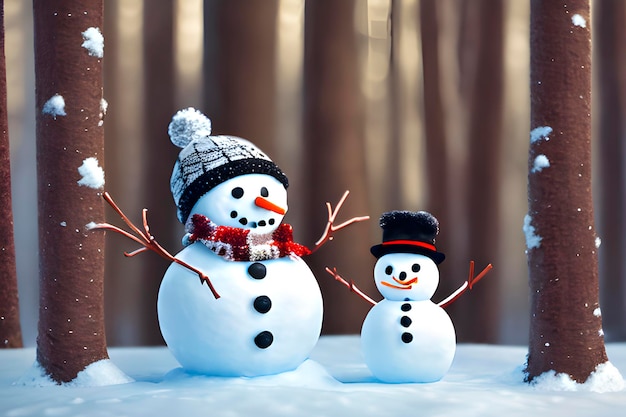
(232, 199)
(406, 337)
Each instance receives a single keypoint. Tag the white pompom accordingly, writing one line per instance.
(187, 125)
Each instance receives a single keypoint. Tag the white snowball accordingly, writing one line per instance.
(93, 42)
(187, 125)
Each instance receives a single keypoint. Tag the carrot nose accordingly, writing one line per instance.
(268, 205)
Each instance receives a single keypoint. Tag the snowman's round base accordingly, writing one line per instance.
(236, 334)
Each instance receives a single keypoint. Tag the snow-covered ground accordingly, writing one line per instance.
(484, 381)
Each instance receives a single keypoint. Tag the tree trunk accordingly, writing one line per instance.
(159, 154)
(436, 146)
(334, 151)
(611, 33)
(479, 312)
(10, 330)
(566, 328)
(68, 70)
(239, 63)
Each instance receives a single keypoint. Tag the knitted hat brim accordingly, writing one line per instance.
(207, 181)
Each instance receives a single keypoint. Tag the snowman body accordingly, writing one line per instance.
(269, 314)
(266, 321)
(406, 337)
(408, 341)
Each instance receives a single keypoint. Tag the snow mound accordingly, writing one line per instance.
(98, 374)
(606, 378)
(310, 375)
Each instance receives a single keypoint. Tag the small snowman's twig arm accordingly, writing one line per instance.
(466, 285)
(350, 285)
(330, 225)
(144, 238)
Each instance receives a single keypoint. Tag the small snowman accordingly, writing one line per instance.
(406, 337)
(232, 199)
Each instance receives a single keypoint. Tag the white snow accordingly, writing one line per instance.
(187, 125)
(93, 42)
(606, 378)
(104, 105)
(540, 162)
(540, 132)
(98, 374)
(484, 380)
(93, 175)
(90, 225)
(597, 312)
(598, 242)
(532, 239)
(578, 20)
(55, 106)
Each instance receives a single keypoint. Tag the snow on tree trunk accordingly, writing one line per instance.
(10, 330)
(70, 142)
(566, 327)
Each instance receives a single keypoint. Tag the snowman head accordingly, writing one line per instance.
(406, 276)
(207, 162)
(407, 257)
(250, 201)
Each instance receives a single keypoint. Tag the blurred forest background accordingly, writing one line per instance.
(409, 104)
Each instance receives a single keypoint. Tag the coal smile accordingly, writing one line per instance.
(252, 224)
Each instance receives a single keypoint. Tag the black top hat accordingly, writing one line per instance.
(409, 232)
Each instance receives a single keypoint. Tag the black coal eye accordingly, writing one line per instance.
(237, 192)
(389, 270)
(402, 276)
(264, 192)
(416, 267)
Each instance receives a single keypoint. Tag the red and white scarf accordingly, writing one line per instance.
(236, 244)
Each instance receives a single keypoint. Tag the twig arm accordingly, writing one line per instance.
(467, 285)
(144, 238)
(331, 227)
(350, 285)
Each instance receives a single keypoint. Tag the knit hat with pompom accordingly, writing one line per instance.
(206, 161)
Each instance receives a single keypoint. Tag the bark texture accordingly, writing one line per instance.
(159, 153)
(71, 313)
(10, 329)
(240, 61)
(479, 312)
(335, 157)
(566, 328)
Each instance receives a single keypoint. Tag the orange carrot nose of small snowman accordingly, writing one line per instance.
(268, 205)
